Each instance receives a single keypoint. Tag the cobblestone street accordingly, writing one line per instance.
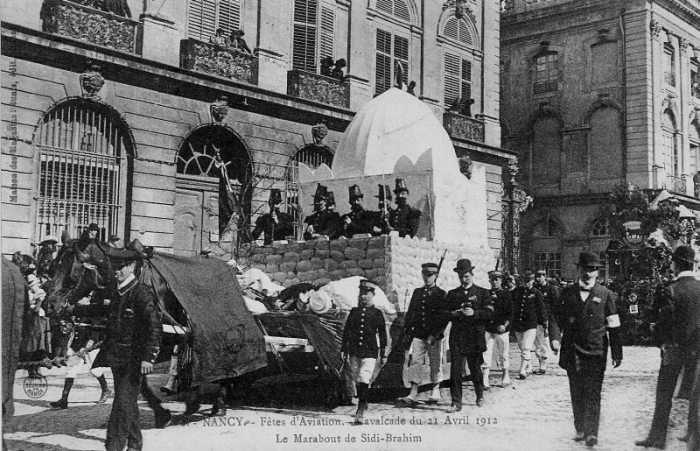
(534, 414)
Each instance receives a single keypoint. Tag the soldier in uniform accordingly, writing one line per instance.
(380, 223)
(470, 309)
(528, 314)
(550, 300)
(423, 329)
(275, 225)
(48, 251)
(134, 331)
(498, 329)
(404, 218)
(678, 315)
(590, 313)
(322, 221)
(364, 324)
(358, 220)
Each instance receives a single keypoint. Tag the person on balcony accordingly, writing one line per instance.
(338, 70)
(219, 39)
(327, 66)
(118, 7)
(237, 42)
(359, 220)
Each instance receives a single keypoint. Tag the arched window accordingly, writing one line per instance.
(458, 30)
(396, 8)
(83, 167)
(605, 144)
(546, 150)
(600, 227)
(209, 212)
(670, 149)
(458, 61)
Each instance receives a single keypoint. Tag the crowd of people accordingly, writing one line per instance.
(234, 42)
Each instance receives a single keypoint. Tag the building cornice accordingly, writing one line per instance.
(570, 199)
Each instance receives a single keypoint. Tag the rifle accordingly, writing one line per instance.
(442, 259)
(384, 197)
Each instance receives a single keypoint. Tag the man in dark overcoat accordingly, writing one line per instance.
(423, 330)
(134, 332)
(591, 323)
(358, 220)
(275, 225)
(322, 222)
(678, 310)
(469, 308)
(550, 301)
(404, 218)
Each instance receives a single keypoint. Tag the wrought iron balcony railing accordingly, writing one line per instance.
(319, 88)
(89, 24)
(465, 127)
(210, 59)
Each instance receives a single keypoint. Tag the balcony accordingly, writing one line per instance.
(89, 24)
(209, 59)
(319, 88)
(463, 127)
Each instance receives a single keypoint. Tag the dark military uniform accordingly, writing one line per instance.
(467, 336)
(360, 333)
(502, 310)
(273, 230)
(361, 221)
(528, 309)
(590, 317)
(405, 220)
(552, 306)
(324, 222)
(134, 331)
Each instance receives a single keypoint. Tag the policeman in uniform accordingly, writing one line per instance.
(134, 332)
(528, 314)
(591, 322)
(678, 315)
(498, 329)
(358, 220)
(550, 300)
(364, 324)
(380, 224)
(423, 329)
(403, 218)
(470, 309)
(275, 225)
(322, 221)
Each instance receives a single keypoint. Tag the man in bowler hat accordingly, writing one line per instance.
(590, 324)
(469, 308)
(322, 221)
(275, 225)
(678, 310)
(404, 218)
(358, 220)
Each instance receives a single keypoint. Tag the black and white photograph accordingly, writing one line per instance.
(299, 225)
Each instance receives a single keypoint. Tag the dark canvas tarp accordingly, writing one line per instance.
(227, 341)
(14, 293)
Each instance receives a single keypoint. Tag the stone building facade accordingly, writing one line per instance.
(135, 123)
(595, 94)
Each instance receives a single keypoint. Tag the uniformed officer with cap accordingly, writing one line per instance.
(364, 324)
(322, 222)
(48, 250)
(590, 322)
(528, 314)
(134, 332)
(550, 301)
(498, 330)
(358, 220)
(275, 225)
(404, 218)
(469, 308)
(423, 329)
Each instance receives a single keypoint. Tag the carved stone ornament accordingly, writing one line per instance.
(461, 8)
(684, 45)
(219, 109)
(655, 29)
(465, 166)
(318, 132)
(513, 169)
(91, 81)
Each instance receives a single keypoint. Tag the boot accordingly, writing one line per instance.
(106, 392)
(411, 399)
(219, 407)
(359, 415)
(486, 377)
(506, 378)
(435, 395)
(522, 374)
(169, 387)
(192, 402)
(63, 402)
(543, 366)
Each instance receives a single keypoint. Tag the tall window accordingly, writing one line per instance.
(695, 78)
(605, 144)
(669, 66)
(82, 150)
(550, 261)
(205, 16)
(458, 78)
(671, 160)
(392, 52)
(313, 34)
(546, 73)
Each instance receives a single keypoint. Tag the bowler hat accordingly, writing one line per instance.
(400, 186)
(50, 239)
(369, 285)
(355, 192)
(123, 256)
(589, 260)
(275, 196)
(684, 254)
(464, 265)
(430, 267)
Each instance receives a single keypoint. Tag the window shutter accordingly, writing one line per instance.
(465, 36)
(401, 55)
(401, 10)
(451, 29)
(386, 6)
(452, 78)
(327, 26)
(383, 69)
(202, 20)
(229, 15)
(304, 40)
(466, 79)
